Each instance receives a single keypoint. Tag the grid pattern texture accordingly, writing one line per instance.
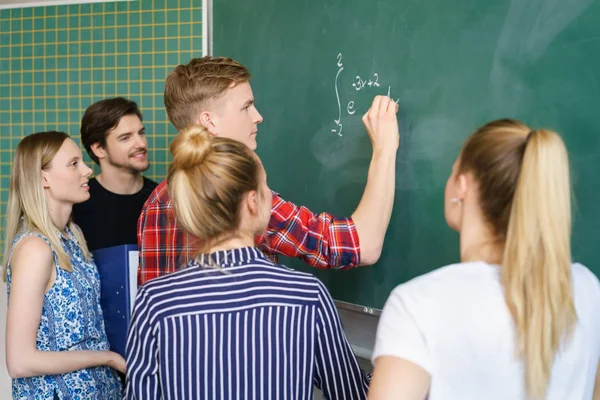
(56, 61)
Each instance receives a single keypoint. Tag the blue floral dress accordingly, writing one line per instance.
(71, 320)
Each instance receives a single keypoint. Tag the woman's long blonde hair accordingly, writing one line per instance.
(27, 210)
(525, 194)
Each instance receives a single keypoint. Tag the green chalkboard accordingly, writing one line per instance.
(452, 66)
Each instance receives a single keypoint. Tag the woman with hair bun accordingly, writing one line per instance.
(232, 324)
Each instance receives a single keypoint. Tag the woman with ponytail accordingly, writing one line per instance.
(232, 324)
(515, 319)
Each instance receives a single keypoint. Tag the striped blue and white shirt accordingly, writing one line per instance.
(233, 325)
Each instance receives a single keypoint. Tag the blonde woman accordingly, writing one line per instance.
(233, 325)
(515, 319)
(56, 345)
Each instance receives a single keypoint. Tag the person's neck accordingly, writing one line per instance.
(120, 181)
(236, 241)
(60, 214)
(478, 243)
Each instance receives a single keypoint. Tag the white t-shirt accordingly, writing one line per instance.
(454, 323)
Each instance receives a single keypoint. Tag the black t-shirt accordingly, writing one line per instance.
(109, 219)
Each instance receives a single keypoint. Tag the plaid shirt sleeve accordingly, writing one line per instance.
(163, 245)
(320, 240)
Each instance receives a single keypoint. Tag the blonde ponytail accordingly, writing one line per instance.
(536, 266)
(525, 195)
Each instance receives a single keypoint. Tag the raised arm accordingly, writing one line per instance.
(320, 240)
(372, 216)
(337, 372)
(32, 274)
(324, 241)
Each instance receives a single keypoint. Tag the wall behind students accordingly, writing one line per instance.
(55, 61)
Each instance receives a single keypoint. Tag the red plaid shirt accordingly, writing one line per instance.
(321, 240)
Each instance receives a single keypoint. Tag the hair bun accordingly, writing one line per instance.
(190, 147)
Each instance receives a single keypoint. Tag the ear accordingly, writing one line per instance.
(45, 180)
(98, 150)
(209, 121)
(463, 183)
(252, 202)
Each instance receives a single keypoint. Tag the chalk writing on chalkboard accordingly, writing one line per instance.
(371, 82)
(338, 121)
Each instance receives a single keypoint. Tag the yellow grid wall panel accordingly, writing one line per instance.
(55, 61)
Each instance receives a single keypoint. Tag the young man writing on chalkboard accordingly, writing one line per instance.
(215, 92)
(114, 137)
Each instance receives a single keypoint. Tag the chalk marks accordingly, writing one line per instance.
(369, 84)
(338, 121)
(360, 83)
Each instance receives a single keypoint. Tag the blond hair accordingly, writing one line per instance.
(207, 181)
(524, 193)
(27, 210)
(189, 86)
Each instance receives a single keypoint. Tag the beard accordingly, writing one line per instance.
(128, 166)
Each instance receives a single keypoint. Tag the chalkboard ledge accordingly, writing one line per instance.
(360, 325)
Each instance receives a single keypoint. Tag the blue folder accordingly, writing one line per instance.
(117, 266)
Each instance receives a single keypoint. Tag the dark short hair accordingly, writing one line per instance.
(101, 117)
